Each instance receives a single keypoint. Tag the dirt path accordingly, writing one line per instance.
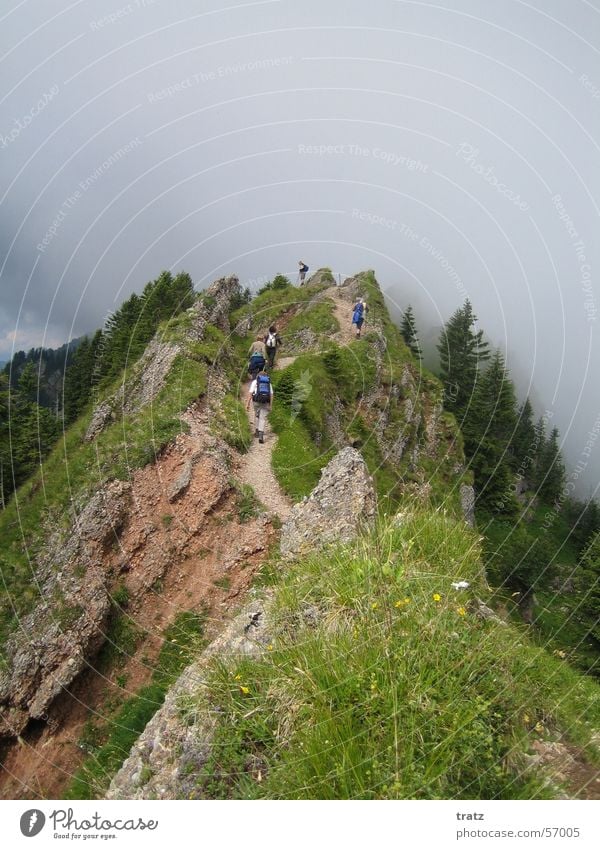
(256, 468)
(343, 312)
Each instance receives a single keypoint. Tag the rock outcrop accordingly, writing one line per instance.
(467, 502)
(321, 275)
(165, 761)
(53, 642)
(148, 375)
(213, 307)
(343, 501)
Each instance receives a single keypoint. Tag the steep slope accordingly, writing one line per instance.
(372, 670)
(84, 628)
(168, 508)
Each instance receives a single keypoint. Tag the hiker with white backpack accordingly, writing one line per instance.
(261, 395)
(272, 340)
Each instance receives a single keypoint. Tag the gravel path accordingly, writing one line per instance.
(256, 469)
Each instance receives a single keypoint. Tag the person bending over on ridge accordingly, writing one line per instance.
(303, 268)
(258, 356)
(272, 340)
(261, 395)
(358, 316)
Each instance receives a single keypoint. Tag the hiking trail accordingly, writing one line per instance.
(256, 468)
(256, 465)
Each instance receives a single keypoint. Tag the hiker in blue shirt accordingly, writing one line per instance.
(261, 395)
(358, 316)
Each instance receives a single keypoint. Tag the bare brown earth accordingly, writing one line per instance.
(177, 552)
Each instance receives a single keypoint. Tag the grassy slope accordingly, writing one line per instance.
(399, 690)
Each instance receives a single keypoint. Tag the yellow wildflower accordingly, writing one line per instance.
(461, 611)
(237, 678)
(375, 605)
(402, 602)
(559, 653)
(539, 727)
(437, 597)
(245, 690)
(526, 718)
(270, 647)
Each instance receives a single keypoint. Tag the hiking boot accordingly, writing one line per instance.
(261, 437)
(256, 432)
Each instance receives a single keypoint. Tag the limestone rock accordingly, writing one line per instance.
(342, 502)
(67, 627)
(322, 275)
(213, 307)
(165, 760)
(467, 502)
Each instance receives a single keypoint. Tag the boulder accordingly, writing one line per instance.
(341, 504)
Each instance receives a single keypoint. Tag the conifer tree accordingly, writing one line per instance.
(488, 430)
(523, 441)
(588, 582)
(551, 469)
(409, 332)
(462, 353)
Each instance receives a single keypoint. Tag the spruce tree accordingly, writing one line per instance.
(409, 332)
(488, 431)
(551, 469)
(523, 441)
(462, 353)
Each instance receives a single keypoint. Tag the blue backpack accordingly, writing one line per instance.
(262, 394)
(358, 313)
(257, 361)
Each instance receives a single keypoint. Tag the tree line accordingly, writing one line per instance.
(516, 463)
(32, 419)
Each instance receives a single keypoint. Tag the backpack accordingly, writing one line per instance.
(257, 361)
(271, 340)
(262, 395)
(358, 313)
(304, 269)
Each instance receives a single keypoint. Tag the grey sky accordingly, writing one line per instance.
(452, 147)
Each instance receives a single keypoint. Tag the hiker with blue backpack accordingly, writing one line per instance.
(358, 316)
(261, 395)
(258, 357)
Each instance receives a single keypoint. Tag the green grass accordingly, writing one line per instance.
(109, 742)
(393, 693)
(269, 306)
(318, 318)
(231, 422)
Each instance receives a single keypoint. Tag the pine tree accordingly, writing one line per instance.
(523, 441)
(409, 332)
(488, 431)
(588, 582)
(551, 469)
(5, 480)
(462, 352)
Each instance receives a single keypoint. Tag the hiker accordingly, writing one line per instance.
(272, 340)
(258, 356)
(261, 395)
(358, 316)
(302, 272)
